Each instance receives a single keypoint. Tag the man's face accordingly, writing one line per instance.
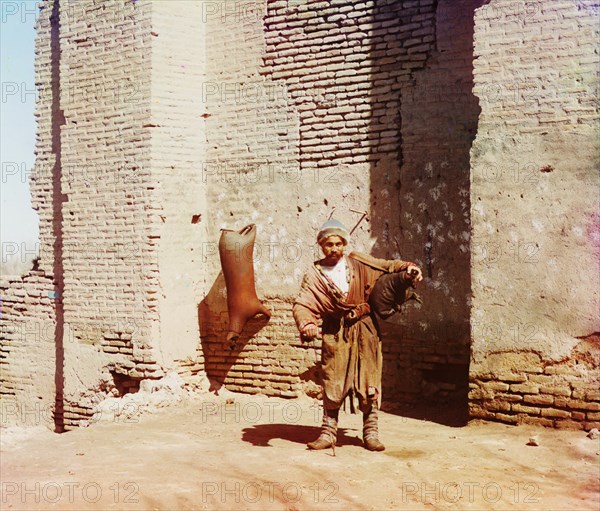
(333, 249)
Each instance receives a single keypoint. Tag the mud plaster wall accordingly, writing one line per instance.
(535, 228)
(178, 148)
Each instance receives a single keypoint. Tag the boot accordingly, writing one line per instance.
(370, 430)
(328, 435)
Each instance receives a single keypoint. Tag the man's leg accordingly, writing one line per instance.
(368, 384)
(328, 435)
(334, 361)
(371, 427)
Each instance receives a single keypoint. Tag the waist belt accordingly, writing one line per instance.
(362, 309)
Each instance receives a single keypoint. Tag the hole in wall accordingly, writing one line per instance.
(125, 384)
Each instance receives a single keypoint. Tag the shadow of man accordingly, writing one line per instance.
(260, 435)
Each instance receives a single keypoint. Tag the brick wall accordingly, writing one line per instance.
(30, 307)
(47, 83)
(107, 255)
(535, 223)
(93, 190)
(268, 358)
(27, 350)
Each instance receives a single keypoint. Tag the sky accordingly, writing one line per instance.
(18, 221)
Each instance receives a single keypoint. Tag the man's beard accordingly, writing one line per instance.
(333, 259)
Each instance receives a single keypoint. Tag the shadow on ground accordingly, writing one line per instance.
(452, 414)
(261, 434)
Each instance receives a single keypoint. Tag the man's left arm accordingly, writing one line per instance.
(413, 272)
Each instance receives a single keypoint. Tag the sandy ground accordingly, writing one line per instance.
(250, 454)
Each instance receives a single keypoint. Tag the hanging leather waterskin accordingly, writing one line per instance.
(236, 252)
(390, 292)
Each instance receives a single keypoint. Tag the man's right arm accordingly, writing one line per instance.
(305, 311)
(306, 321)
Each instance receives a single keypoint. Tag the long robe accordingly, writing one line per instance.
(351, 356)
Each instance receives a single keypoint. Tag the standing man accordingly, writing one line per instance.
(334, 293)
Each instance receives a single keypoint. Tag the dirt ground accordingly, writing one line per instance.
(250, 454)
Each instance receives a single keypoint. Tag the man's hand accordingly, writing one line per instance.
(413, 272)
(310, 331)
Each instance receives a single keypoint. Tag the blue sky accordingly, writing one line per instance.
(18, 222)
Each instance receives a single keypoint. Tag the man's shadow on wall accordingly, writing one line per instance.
(213, 322)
